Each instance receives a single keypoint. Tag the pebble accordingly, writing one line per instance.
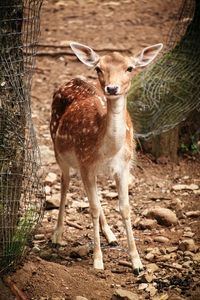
(39, 236)
(80, 298)
(152, 267)
(151, 289)
(80, 251)
(164, 216)
(161, 239)
(147, 224)
(150, 256)
(196, 257)
(50, 178)
(121, 294)
(142, 286)
(187, 245)
(180, 187)
(53, 202)
(193, 214)
(36, 249)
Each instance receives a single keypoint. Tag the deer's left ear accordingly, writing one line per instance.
(85, 54)
(147, 55)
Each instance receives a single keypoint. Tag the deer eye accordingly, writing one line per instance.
(98, 70)
(129, 69)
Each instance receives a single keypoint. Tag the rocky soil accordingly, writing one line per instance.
(164, 197)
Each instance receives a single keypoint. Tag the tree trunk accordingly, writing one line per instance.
(167, 93)
(12, 119)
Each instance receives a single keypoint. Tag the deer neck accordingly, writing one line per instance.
(115, 132)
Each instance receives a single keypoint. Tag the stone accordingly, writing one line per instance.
(161, 297)
(151, 289)
(164, 216)
(121, 294)
(161, 239)
(50, 178)
(39, 236)
(36, 249)
(150, 256)
(193, 214)
(188, 234)
(53, 202)
(171, 249)
(142, 286)
(80, 251)
(196, 257)
(180, 187)
(152, 267)
(187, 245)
(146, 278)
(147, 224)
(80, 298)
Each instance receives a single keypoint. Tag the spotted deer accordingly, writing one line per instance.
(92, 131)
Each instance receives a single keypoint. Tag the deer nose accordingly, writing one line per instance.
(112, 89)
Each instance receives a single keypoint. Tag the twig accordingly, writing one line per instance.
(75, 225)
(168, 265)
(96, 49)
(53, 54)
(14, 289)
(125, 263)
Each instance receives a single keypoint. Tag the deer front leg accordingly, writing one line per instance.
(58, 231)
(122, 186)
(89, 181)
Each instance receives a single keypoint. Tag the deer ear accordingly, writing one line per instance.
(147, 55)
(85, 54)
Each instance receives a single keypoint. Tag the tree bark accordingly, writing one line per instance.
(12, 119)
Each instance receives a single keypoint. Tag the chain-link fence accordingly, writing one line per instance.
(165, 93)
(21, 190)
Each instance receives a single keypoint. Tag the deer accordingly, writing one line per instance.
(92, 132)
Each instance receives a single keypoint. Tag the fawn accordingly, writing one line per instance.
(92, 131)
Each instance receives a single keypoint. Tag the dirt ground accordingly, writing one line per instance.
(66, 272)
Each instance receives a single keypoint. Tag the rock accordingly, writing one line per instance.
(180, 187)
(188, 234)
(161, 239)
(161, 297)
(187, 245)
(156, 196)
(150, 256)
(193, 214)
(80, 298)
(147, 224)
(196, 192)
(196, 257)
(151, 289)
(36, 249)
(53, 202)
(80, 251)
(142, 286)
(171, 249)
(39, 236)
(47, 190)
(146, 278)
(51, 178)
(164, 216)
(152, 267)
(111, 195)
(121, 294)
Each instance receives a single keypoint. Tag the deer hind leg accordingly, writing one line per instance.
(58, 231)
(122, 186)
(89, 181)
(105, 228)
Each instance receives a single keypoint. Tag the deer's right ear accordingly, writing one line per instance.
(85, 54)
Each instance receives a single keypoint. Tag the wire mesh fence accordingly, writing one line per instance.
(21, 190)
(164, 94)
